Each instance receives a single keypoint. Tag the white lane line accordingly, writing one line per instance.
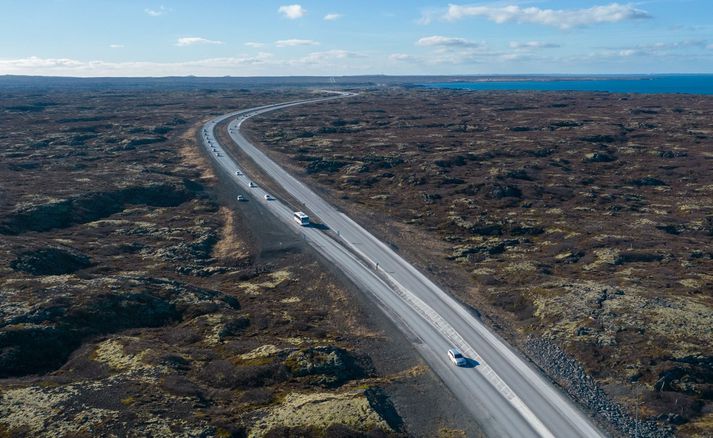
(566, 409)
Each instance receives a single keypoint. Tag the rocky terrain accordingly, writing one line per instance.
(580, 221)
(136, 301)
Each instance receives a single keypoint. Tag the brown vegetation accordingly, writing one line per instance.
(131, 302)
(584, 218)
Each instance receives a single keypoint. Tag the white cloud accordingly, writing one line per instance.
(333, 16)
(675, 45)
(190, 41)
(254, 45)
(448, 42)
(326, 56)
(257, 64)
(294, 42)
(629, 52)
(657, 49)
(402, 57)
(162, 10)
(561, 18)
(292, 12)
(532, 45)
(116, 46)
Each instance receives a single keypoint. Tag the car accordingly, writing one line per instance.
(252, 185)
(240, 198)
(268, 198)
(238, 173)
(456, 357)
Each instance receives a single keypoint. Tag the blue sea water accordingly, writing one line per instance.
(686, 84)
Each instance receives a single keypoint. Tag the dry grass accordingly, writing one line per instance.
(191, 156)
(230, 246)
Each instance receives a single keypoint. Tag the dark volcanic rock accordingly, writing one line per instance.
(600, 138)
(91, 207)
(34, 349)
(43, 339)
(583, 388)
(504, 191)
(328, 366)
(672, 228)
(634, 257)
(646, 181)
(322, 165)
(600, 157)
(688, 375)
(673, 154)
(51, 261)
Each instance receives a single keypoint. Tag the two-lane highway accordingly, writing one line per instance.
(506, 396)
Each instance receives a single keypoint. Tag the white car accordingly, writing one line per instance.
(252, 185)
(238, 173)
(269, 198)
(240, 198)
(456, 357)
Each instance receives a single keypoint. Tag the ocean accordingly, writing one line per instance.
(681, 84)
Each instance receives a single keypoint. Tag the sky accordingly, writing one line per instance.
(353, 37)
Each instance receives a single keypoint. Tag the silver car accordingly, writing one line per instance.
(456, 357)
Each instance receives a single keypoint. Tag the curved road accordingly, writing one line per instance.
(505, 395)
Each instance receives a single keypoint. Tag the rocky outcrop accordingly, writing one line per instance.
(322, 165)
(326, 366)
(50, 261)
(585, 390)
(91, 207)
(42, 339)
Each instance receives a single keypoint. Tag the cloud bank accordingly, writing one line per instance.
(192, 41)
(448, 42)
(294, 42)
(561, 18)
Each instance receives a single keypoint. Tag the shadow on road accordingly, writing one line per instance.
(322, 227)
(470, 363)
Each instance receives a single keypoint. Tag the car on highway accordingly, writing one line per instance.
(238, 173)
(456, 357)
(240, 198)
(301, 218)
(252, 185)
(268, 197)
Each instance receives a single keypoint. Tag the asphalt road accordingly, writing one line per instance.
(505, 395)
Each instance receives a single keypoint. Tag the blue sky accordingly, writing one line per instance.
(248, 38)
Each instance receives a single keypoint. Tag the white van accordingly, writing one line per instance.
(301, 218)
